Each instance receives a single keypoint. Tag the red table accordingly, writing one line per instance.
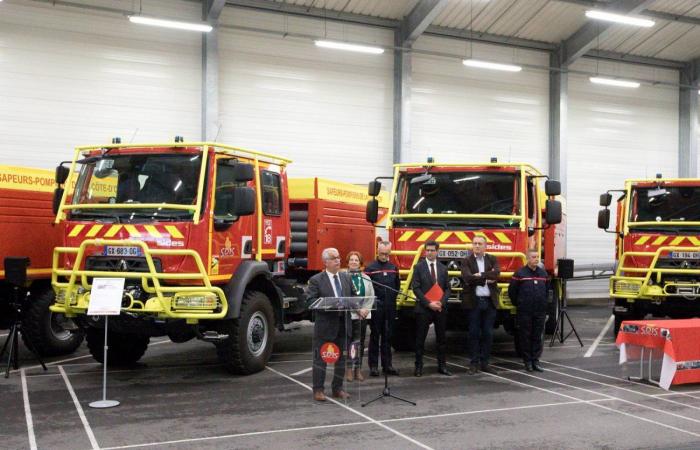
(678, 339)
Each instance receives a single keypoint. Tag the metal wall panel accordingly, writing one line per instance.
(328, 110)
(74, 77)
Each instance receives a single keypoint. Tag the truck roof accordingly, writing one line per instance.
(471, 165)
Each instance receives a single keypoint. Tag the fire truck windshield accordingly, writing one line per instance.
(665, 204)
(472, 193)
(134, 179)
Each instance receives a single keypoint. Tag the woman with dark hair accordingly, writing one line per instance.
(363, 287)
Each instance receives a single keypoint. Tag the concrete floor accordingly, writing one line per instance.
(179, 397)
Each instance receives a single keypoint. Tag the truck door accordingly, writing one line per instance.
(274, 217)
(533, 214)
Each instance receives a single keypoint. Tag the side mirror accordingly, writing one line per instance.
(605, 199)
(374, 188)
(61, 174)
(372, 212)
(243, 201)
(57, 195)
(552, 188)
(604, 219)
(243, 172)
(553, 214)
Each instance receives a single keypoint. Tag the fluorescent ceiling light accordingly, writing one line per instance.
(614, 82)
(619, 18)
(190, 26)
(491, 65)
(349, 47)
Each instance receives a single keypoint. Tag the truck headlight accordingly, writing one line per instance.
(195, 301)
(627, 287)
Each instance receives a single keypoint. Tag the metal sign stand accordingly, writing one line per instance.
(104, 403)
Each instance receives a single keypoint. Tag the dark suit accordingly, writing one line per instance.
(421, 284)
(330, 326)
(482, 309)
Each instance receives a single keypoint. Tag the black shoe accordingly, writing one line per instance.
(443, 370)
(536, 366)
(488, 369)
(418, 372)
(373, 372)
(528, 366)
(473, 369)
(391, 371)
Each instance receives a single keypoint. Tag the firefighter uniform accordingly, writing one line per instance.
(385, 277)
(528, 292)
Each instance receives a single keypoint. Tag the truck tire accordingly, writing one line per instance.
(50, 334)
(250, 337)
(124, 349)
(553, 309)
(404, 337)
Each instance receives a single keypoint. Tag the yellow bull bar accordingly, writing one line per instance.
(73, 296)
(404, 300)
(638, 287)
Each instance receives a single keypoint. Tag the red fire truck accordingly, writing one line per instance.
(657, 248)
(452, 203)
(213, 241)
(27, 230)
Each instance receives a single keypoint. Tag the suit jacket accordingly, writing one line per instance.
(326, 323)
(491, 272)
(423, 281)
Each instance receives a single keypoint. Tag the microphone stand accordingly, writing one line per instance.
(386, 392)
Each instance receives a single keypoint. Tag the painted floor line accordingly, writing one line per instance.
(302, 372)
(595, 344)
(81, 413)
(28, 412)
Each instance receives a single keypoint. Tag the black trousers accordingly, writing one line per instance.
(439, 320)
(380, 339)
(481, 319)
(531, 333)
(319, 369)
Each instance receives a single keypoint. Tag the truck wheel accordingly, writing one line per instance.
(404, 337)
(553, 309)
(250, 337)
(50, 333)
(124, 348)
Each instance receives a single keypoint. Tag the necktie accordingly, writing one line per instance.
(338, 289)
(432, 272)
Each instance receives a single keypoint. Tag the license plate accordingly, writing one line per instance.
(453, 254)
(122, 251)
(685, 255)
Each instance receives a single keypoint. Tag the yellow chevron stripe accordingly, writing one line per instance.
(642, 240)
(693, 240)
(76, 230)
(482, 234)
(114, 229)
(94, 230)
(406, 236)
(174, 232)
(462, 236)
(677, 240)
(153, 231)
(443, 236)
(424, 236)
(502, 237)
(133, 232)
(659, 240)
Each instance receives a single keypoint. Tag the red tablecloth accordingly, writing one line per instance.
(678, 339)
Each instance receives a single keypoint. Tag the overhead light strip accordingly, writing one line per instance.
(615, 82)
(491, 65)
(349, 47)
(176, 24)
(619, 18)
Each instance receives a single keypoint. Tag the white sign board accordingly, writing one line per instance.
(106, 296)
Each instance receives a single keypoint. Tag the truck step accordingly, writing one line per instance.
(213, 336)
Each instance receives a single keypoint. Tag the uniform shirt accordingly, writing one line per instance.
(528, 290)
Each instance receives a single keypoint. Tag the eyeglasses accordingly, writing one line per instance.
(333, 258)
(384, 253)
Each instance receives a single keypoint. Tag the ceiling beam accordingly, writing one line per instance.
(584, 39)
(633, 59)
(418, 20)
(213, 10)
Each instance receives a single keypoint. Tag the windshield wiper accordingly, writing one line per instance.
(102, 215)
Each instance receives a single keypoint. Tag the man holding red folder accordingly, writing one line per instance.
(432, 289)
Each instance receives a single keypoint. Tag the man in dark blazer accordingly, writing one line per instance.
(426, 274)
(330, 326)
(479, 274)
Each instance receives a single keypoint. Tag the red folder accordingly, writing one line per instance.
(435, 293)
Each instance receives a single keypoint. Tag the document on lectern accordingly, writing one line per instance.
(106, 297)
(343, 303)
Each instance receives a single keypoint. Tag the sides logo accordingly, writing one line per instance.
(330, 353)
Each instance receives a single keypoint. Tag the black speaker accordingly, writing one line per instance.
(16, 270)
(566, 268)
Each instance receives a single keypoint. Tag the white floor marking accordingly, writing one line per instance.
(28, 412)
(302, 372)
(605, 329)
(290, 361)
(79, 408)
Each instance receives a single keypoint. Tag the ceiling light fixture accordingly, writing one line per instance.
(491, 65)
(349, 47)
(189, 26)
(619, 18)
(615, 82)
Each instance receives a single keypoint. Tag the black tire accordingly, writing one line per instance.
(250, 337)
(124, 348)
(404, 336)
(50, 334)
(553, 309)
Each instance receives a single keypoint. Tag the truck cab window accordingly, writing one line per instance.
(271, 193)
(223, 192)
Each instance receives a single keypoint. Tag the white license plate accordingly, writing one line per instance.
(453, 254)
(122, 251)
(685, 255)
